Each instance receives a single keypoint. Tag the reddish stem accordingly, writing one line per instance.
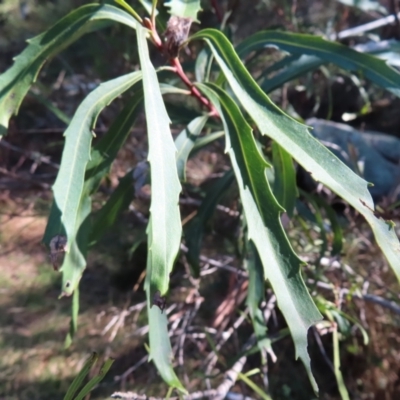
(217, 10)
(154, 34)
(175, 63)
(193, 89)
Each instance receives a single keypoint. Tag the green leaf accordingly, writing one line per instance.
(300, 144)
(75, 258)
(319, 221)
(102, 155)
(184, 8)
(130, 10)
(119, 200)
(73, 325)
(164, 229)
(201, 65)
(106, 149)
(51, 107)
(147, 5)
(195, 228)
(171, 89)
(16, 81)
(255, 295)
(184, 143)
(160, 346)
(101, 158)
(95, 380)
(206, 140)
(285, 188)
(77, 382)
(164, 241)
(254, 387)
(71, 204)
(331, 310)
(297, 68)
(369, 66)
(180, 113)
(281, 264)
(337, 242)
(297, 65)
(336, 359)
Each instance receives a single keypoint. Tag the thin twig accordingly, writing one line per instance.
(358, 30)
(193, 396)
(176, 64)
(178, 70)
(322, 349)
(135, 396)
(217, 10)
(212, 357)
(34, 182)
(33, 155)
(187, 322)
(134, 367)
(232, 374)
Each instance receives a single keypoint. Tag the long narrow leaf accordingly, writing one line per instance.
(297, 68)
(255, 295)
(185, 142)
(165, 239)
(71, 205)
(102, 155)
(164, 229)
(73, 325)
(281, 264)
(106, 149)
(299, 143)
(119, 200)
(285, 188)
(77, 382)
(206, 140)
(337, 241)
(95, 380)
(195, 228)
(336, 359)
(371, 67)
(15, 82)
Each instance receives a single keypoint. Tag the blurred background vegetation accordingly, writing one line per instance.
(34, 323)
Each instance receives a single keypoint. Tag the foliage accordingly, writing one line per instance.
(72, 393)
(231, 97)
